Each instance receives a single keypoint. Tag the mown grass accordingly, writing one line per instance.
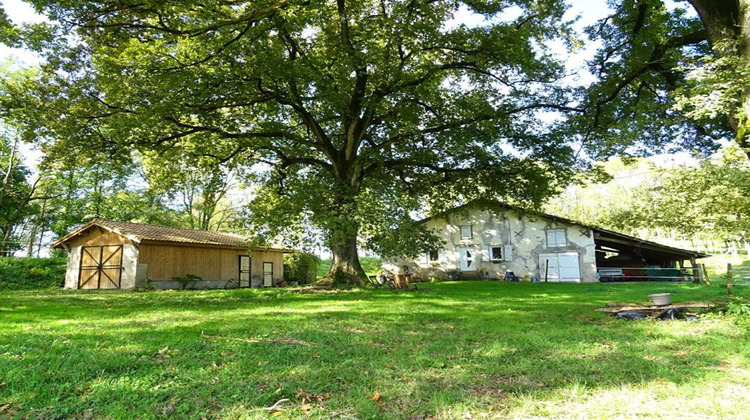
(461, 349)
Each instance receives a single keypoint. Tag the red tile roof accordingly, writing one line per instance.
(138, 232)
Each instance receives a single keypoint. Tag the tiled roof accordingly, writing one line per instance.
(139, 232)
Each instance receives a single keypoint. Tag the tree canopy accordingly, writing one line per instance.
(350, 115)
(669, 75)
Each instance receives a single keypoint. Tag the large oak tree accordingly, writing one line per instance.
(670, 73)
(351, 114)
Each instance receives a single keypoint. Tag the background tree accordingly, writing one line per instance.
(705, 201)
(351, 113)
(200, 186)
(16, 195)
(669, 75)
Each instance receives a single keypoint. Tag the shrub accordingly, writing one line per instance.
(738, 307)
(301, 267)
(31, 273)
(187, 281)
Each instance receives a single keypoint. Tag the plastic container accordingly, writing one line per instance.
(660, 299)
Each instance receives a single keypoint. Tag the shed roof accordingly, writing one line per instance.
(139, 232)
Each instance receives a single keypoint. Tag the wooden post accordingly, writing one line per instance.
(696, 273)
(730, 286)
(697, 270)
(706, 279)
(546, 270)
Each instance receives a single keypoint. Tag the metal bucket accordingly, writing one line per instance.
(660, 299)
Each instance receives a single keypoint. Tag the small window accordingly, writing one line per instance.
(556, 238)
(432, 256)
(496, 253)
(466, 232)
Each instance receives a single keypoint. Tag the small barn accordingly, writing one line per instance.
(106, 254)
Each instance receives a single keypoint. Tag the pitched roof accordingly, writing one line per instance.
(138, 232)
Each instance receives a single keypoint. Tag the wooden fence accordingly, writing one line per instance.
(696, 274)
(737, 276)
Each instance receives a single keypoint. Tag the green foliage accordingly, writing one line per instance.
(31, 273)
(739, 307)
(349, 116)
(709, 200)
(187, 281)
(301, 267)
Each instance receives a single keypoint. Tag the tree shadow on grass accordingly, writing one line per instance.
(147, 356)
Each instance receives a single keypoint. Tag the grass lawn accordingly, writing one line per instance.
(459, 350)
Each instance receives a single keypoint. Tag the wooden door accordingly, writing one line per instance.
(101, 267)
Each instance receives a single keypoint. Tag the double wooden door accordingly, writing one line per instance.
(101, 267)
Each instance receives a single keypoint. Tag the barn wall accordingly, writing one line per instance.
(275, 257)
(129, 267)
(167, 261)
(73, 267)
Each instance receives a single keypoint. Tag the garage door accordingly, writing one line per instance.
(101, 267)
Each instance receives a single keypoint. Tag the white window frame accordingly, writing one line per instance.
(491, 254)
(429, 256)
(556, 235)
(461, 231)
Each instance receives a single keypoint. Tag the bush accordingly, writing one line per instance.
(301, 267)
(31, 273)
(187, 281)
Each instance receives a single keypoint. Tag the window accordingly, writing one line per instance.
(466, 232)
(496, 253)
(556, 238)
(432, 256)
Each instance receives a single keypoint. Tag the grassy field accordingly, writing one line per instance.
(459, 350)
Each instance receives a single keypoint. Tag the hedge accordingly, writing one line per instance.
(31, 273)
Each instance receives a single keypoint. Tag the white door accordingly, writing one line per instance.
(467, 258)
(548, 270)
(567, 263)
(559, 267)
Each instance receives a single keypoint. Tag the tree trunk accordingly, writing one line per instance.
(343, 230)
(727, 24)
(346, 269)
